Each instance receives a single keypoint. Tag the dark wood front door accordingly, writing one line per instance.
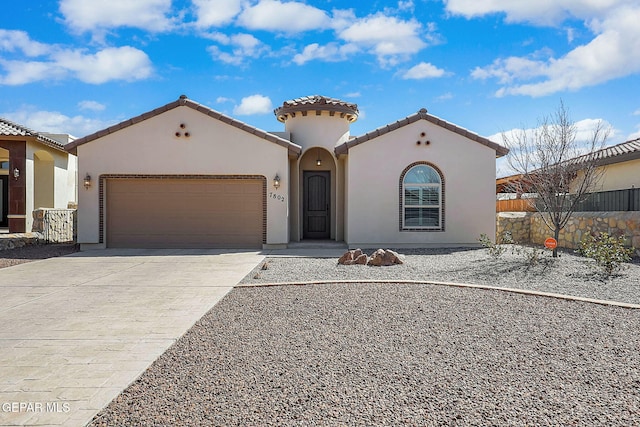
(4, 200)
(316, 206)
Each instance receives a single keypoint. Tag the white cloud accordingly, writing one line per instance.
(406, 5)
(423, 70)
(83, 15)
(38, 62)
(254, 104)
(124, 63)
(541, 12)
(445, 97)
(114, 63)
(583, 134)
(584, 131)
(56, 122)
(637, 112)
(243, 46)
(352, 95)
(342, 18)
(330, 52)
(91, 105)
(223, 100)
(23, 72)
(389, 38)
(13, 40)
(285, 17)
(606, 57)
(634, 135)
(214, 13)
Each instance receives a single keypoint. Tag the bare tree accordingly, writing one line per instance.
(556, 166)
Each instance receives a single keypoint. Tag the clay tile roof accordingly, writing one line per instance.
(294, 149)
(317, 103)
(9, 128)
(421, 115)
(629, 150)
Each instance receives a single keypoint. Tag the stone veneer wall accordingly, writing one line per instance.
(526, 227)
(55, 225)
(518, 224)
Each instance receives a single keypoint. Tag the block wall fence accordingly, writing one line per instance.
(529, 228)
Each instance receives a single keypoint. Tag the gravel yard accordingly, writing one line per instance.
(570, 274)
(401, 354)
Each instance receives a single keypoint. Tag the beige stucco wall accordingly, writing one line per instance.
(57, 194)
(616, 176)
(317, 131)
(621, 176)
(373, 176)
(150, 147)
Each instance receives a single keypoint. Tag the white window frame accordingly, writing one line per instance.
(420, 186)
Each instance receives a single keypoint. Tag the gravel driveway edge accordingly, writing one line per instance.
(454, 284)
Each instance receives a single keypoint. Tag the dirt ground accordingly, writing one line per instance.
(30, 253)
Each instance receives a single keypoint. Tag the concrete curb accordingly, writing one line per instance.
(453, 284)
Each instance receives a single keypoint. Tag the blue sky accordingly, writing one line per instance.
(77, 66)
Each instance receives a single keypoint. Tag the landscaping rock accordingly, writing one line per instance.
(361, 259)
(383, 257)
(346, 258)
(380, 257)
(354, 256)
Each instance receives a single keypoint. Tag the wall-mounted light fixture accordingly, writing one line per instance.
(276, 181)
(87, 181)
(318, 160)
(16, 173)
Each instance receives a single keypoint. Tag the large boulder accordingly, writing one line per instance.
(354, 256)
(380, 257)
(361, 259)
(383, 257)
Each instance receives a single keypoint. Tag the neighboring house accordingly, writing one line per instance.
(620, 166)
(186, 176)
(618, 169)
(35, 172)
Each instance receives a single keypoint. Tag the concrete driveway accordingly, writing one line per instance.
(76, 330)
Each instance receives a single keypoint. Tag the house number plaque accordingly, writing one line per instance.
(276, 196)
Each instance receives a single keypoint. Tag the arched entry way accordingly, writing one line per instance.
(317, 179)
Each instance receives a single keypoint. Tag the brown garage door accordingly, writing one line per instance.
(184, 213)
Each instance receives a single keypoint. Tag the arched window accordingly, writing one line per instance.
(422, 204)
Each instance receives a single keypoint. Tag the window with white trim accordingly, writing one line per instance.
(422, 198)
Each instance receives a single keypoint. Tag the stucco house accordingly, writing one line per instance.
(35, 172)
(186, 176)
(618, 168)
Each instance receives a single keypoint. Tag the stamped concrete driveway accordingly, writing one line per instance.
(76, 330)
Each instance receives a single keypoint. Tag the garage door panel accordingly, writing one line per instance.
(184, 213)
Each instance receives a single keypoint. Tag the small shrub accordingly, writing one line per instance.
(532, 256)
(495, 250)
(608, 251)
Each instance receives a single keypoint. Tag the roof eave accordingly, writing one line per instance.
(184, 101)
(36, 138)
(421, 115)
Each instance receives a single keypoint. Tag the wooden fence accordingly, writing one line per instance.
(514, 205)
(603, 201)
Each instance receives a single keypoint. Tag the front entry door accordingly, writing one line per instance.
(4, 200)
(316, 206)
